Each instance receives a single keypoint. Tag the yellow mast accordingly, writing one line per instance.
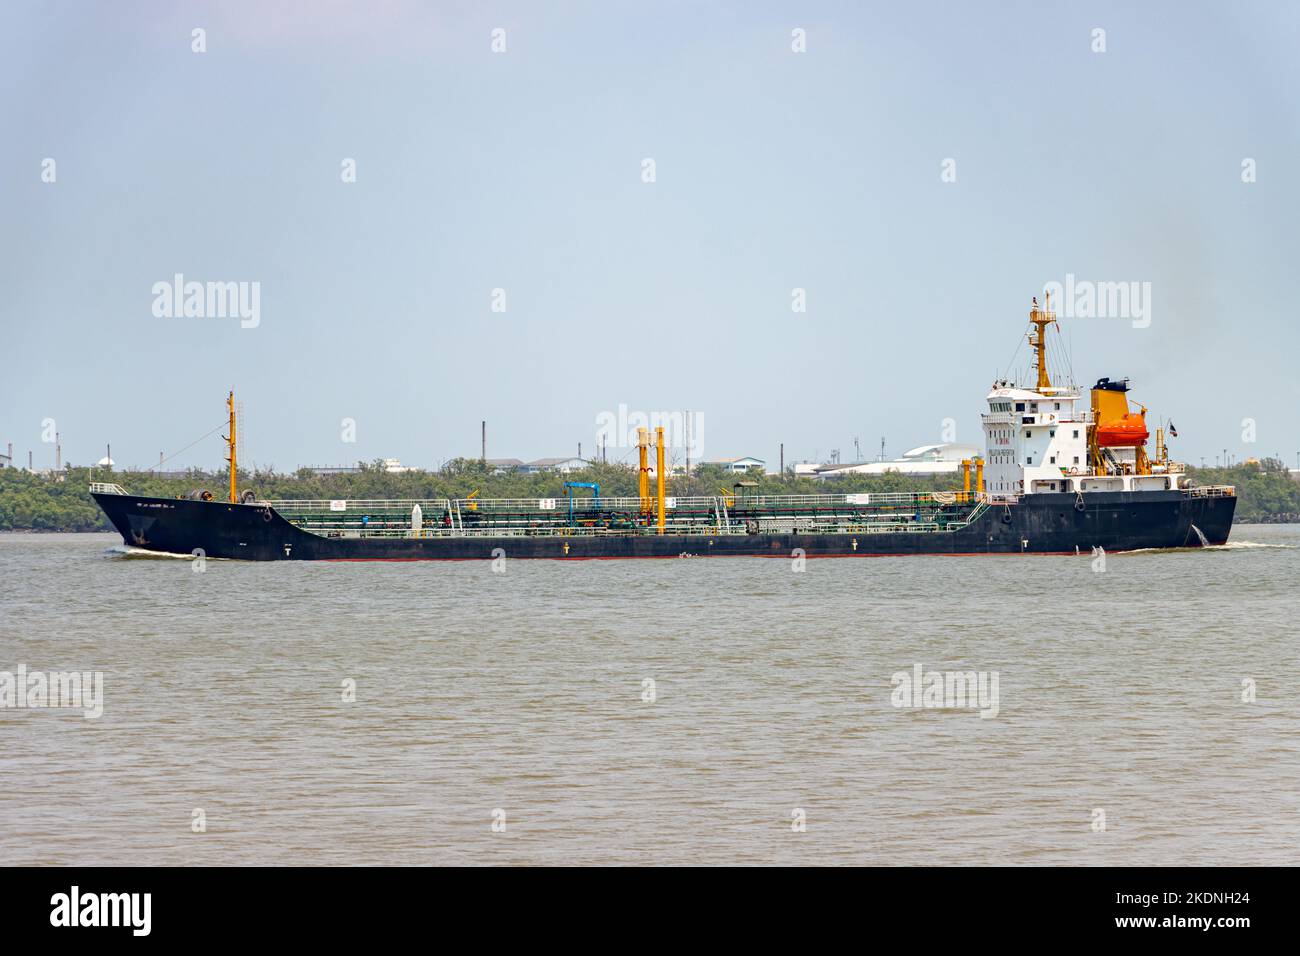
(659, 474)
(643, 480)
(230, 403)
(1041, 318)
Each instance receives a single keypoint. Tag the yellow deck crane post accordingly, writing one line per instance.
(659, 475)
(230, 403)
(643, 478)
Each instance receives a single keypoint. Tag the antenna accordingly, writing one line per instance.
(243, 427)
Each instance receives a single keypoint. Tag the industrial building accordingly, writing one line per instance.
(561, 466)
(737, 465)
(944, 458)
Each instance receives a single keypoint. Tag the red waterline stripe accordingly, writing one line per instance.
(786, 557)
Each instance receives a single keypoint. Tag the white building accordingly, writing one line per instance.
(944, 458)
(737, 465)
(561, 465)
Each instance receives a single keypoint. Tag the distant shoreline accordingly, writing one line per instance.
(43, 503)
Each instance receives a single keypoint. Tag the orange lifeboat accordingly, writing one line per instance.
(1126, 432)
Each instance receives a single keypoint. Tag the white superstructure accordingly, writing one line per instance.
(1034, 441)
(1050, 439)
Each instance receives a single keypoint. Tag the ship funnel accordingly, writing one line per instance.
(1116, 425)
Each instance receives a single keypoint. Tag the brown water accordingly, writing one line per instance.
(522, 691)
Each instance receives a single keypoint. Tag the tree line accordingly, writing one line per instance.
(35, 502)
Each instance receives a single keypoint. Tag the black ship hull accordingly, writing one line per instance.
(1036, 524)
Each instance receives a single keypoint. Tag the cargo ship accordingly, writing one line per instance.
(1062, 474)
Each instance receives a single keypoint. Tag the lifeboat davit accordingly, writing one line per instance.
(1127, 432)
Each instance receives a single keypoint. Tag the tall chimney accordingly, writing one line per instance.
(483, 455)
(58, 453)
(689, 438)
(783, 458)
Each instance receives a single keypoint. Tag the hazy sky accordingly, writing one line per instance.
(523, 171)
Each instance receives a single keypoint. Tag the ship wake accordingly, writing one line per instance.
(126, 551)
(1228, 546)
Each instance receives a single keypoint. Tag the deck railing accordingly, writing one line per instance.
(337, 505)
(1212, 491)
(564, 531)
(622, 516)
